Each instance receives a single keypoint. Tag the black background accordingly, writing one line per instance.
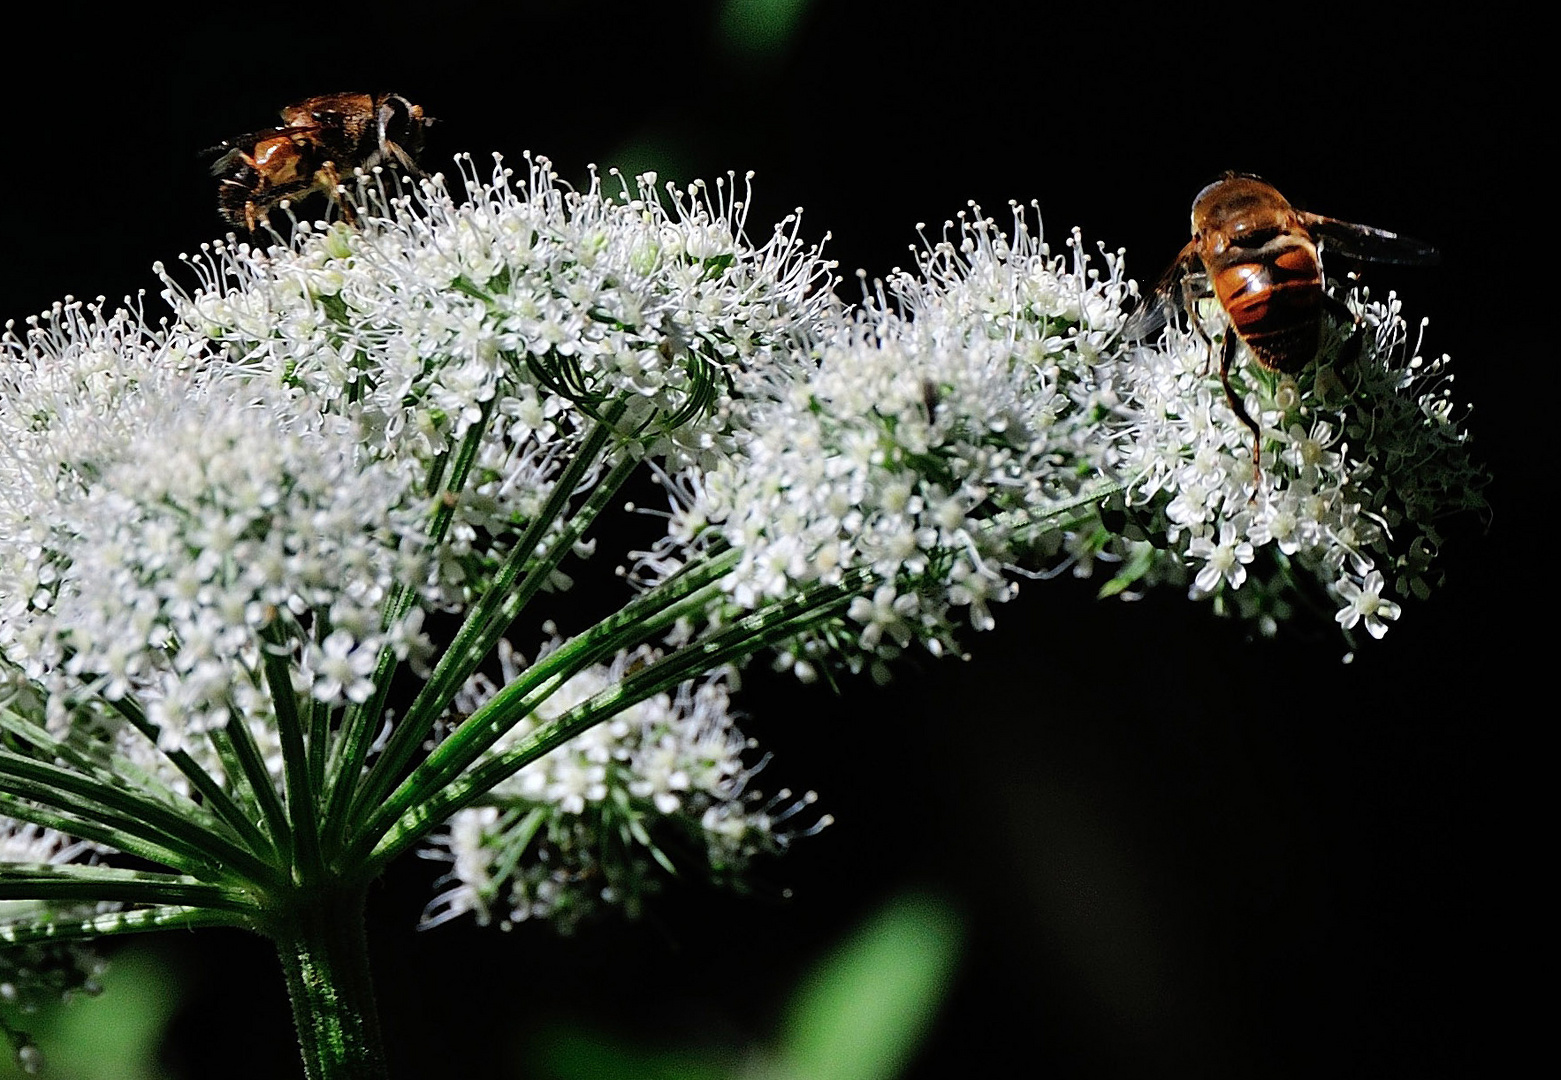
(1177, 850)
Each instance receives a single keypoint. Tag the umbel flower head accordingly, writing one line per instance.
(357, 458)
(220, 539)
(190, 518)
(990, 417)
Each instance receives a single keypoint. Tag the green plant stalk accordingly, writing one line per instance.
(512, 598)
(428, 706)
(201, 780)
(319, 742)
(235, 745)
(118, 772)
(321, 944)
(86, 828)
(109, 790)
(640, 621)
(111, 768)
(198, 847)
(301, 809)
(173, 893)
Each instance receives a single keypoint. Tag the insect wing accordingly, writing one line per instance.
(1372, 245)
(1160, 306)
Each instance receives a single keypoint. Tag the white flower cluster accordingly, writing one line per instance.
(183, 507)
(584, 828)
(157, 521)
(1361, 455)
(924, 447)
(949, 438)
(532, 304)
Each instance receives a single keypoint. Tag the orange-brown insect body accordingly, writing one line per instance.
(1261, 259)
(320, 140)
(1263, 267)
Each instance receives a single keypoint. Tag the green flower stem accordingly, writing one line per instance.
(742, 638)
(88, 829)
(94, 781)
(324, 955)
(161, 893)
(361, 720)
(447, 676)
(301, 808)
(314, 718)
(198, 848)
(235, 743)
(638, 622)
(1061, 514)
(487, 619)
(193, 771)
(319, 741)
(512, 599)
(641, 621)
(75, 756)
(141, 921)
(225, 808)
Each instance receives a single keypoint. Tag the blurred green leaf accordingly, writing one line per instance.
(760, 27)
(859, 1015)
(865, 1010)
(112, 1036)
(1137, 566)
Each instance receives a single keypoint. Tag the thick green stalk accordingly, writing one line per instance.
(325, 960)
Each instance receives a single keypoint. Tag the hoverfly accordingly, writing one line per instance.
(321, 139)
(1261, 259)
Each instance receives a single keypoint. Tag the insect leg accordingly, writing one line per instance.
(1227, 356)
(1347, 318)
(1196, 288)
(328, 180)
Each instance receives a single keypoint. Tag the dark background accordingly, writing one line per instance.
(1177, 850)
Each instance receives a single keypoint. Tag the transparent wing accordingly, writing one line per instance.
(1372, 245)
(1159, 307)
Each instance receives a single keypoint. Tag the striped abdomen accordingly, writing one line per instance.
(1274, 297)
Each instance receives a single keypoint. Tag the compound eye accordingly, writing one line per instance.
(402, 122)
